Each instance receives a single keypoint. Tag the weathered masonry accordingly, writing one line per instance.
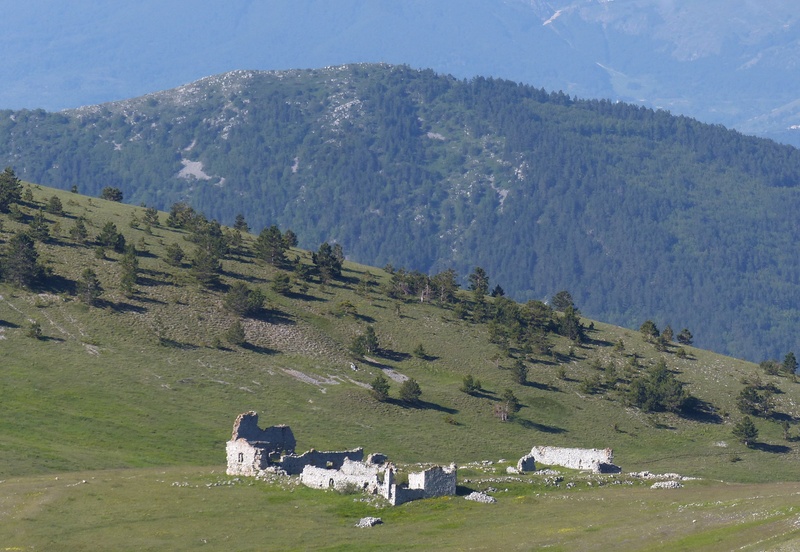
(252, 451)
(594, 460)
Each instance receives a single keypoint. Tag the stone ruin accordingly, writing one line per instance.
(252, 451)
(594, 460)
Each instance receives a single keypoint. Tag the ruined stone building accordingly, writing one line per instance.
(252, 450)
(594, 460)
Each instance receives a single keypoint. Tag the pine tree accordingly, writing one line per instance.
(78, 231)
(520, 372)
(270, 246)
(54, 206)
(479, 282)
(685, 337)
(129, 265)
(10, 189)
(174, 254)
(410, 391)
(38, 227)
(746, 432)
(110, 237)
(20, 265)
(328, 262)
(235, 334)
(89, 288)
(240, 224)
(790, 363)
(380, 387)
(206, 267)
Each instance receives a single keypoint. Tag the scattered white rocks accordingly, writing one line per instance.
(481, 497)
(646, 475)
(369, 522)
(666, 485)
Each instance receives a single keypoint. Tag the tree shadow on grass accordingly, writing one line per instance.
(258, 349)
(124, 307)
(422, 405)
(57, 284)
(246, 277)
(775, 449)
(152, 282)
(173, 344)
(7, 324)
(394, 356)
(49, 338)
(598, 343)
(781, 417)
(542, 386)
(304, 296)
(143, 299)
(701, 411)
(274, 316)
(527, 424)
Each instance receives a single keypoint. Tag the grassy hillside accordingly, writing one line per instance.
(149, 380)
(638, 213)
(113, 422)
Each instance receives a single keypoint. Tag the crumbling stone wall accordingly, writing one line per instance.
(294, 464)
(430, 483)
(277, 438)
(252, 449)
(351, 475)
(595, 460)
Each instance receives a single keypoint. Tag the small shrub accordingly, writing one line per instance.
(746, 432)
(34, 330)
(380, 387)
(470, 385)
(235, 334)
(520, 372)
(410, 391)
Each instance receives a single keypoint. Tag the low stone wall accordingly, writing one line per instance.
(595, 460)
(351, 475)
(430, 483)
(294, 464)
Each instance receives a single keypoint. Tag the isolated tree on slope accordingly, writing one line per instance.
(10, 189)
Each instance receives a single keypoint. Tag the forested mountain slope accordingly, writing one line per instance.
(637, 213)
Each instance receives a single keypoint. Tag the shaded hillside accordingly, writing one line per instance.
(637, 213)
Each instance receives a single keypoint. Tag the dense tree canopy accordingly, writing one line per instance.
(637, 212)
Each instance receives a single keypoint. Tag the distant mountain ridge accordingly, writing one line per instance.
(637, 213)
(731, 62)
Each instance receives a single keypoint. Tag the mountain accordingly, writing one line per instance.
(639, 214)
(730, 62)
